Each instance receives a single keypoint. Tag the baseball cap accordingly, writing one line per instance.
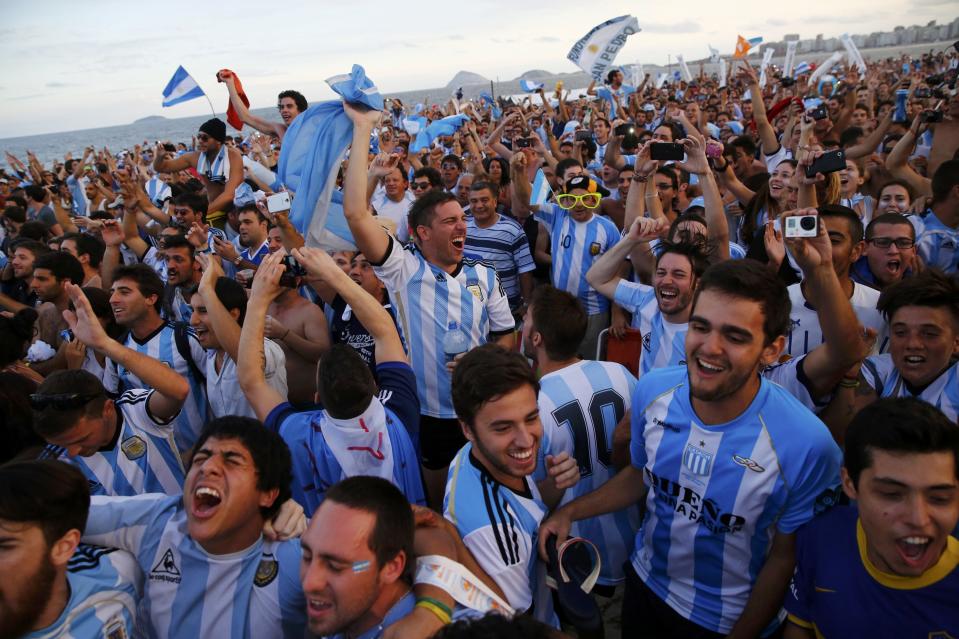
(587, 184)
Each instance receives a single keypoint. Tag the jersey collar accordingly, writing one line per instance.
(946, 564)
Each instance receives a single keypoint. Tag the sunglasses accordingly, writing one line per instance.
(568, 200)
(203, 137)
(886, 242)
(62, 401)
(420, 186)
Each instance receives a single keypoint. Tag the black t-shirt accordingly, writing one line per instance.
(347, 329)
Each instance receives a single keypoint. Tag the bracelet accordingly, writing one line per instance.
(848, 383)
(640, 178)
(436, 602)
(440, 614)
(236, 260)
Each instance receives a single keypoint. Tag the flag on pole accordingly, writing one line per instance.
(180, 88)
(713, 54)
(661, 79)
(637, 74)
(743, 46)
(540, 193)
(529, 86)
(825, 67)
(852, 51)
(687, 75)
(313, 147)
(767, 58)
(594, 52)
(790, 59)
(232, 115)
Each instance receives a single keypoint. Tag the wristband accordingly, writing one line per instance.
(849, 383)
(456, 580)
(440, 614)
(436, 602)
(640, 178)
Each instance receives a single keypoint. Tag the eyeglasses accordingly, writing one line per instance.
(420, 186)
(203, 137)
(886, 242)
(568, 200)
(61, 401)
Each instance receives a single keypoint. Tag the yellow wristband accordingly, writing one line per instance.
(440, 614)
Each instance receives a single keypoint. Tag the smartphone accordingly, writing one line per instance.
(625, 129)
(522, 143)
(584, 135)
(278, 202)
(714, 149)
(827, 163)
(666, 151)
(923, 92)
(931, 116)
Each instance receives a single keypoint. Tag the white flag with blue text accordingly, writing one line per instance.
(595, 52)
(180, 88)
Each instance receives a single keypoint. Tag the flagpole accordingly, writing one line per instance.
(210, 103)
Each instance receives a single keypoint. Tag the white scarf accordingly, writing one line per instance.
(361, 445)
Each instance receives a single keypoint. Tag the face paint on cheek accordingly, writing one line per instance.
(361, 566)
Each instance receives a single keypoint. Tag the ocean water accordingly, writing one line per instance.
(53, 146)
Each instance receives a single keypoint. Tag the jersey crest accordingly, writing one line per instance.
(266, 571)
(166, 569)
(595, 248)
(697, 461)
(133, 447)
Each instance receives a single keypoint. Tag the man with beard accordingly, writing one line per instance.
(213, 533)
(289, 104)
(660, 311)
(58, 589)
(182, 276)
(51, 272)
(16, 291)
(730, 465)
(253, 237)
(220, 166)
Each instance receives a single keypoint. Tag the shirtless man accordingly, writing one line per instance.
(220, 166)
(289, 103)
(946, 138)
(301, 330)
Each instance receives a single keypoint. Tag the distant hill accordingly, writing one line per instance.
(466, 78)
(535, 74)
(150, 118)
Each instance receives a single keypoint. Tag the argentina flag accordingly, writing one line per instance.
(529, 86)
(180, 88)
(540, 193)
(447, 126)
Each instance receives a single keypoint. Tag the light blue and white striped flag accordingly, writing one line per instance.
(529, 86)
(446, 126)
(313, 147)
(180, 88)
(540, 193)
(801, 68)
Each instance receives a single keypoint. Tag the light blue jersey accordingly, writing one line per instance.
(718, 493)
(142, 459)
(105, 586)
(664, 342)
(575, 247)
(254, 593)
(162, 346)
(157, 190)
(78, 192)
(499, 526)
(427, 299)
(938, 244)
(880, 372)
(580, 406)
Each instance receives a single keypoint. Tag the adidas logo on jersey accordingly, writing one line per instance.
(166, 569)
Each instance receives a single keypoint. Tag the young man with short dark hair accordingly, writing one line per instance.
(51, 272)
(57, 589)
(893, 545)
(89, 250)
(238, 477)
(890, 253)
(289, 104)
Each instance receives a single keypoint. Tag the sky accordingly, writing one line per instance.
(72, 65)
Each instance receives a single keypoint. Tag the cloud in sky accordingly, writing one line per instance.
(66, 69)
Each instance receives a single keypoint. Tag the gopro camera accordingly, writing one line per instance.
(802, 226)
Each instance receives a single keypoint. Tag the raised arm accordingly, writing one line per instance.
(171, 388)
(233, 180)
(604, 274)
(163, 165)
(767, 134)
(716, 226)
(871, 141)
(258, 123)
(370, 237)
(897, 162)
(250, 357)
(225, 326)
(368, 311)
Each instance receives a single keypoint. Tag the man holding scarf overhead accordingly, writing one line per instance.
(219, 166)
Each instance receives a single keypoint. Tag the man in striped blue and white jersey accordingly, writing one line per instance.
(938, 240)
(661, 311)
(136, 297)
(730, 466)
(361, 429)
(124, 446)
(209, 571)
(501, 241)
(581, 402)
(491, 496)
(578, 238)
(433, 286)
(923, 357)
(57, 589)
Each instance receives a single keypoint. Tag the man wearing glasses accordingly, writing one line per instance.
(425, 179)
(577, 238)
(890, 253)
(125, 446)
(220, 167)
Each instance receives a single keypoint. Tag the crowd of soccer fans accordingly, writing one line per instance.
(690, 346)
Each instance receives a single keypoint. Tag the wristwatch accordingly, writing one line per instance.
(236, 260)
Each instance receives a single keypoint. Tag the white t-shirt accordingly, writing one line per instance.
(396, 211)
(223, 388)
(806, 333)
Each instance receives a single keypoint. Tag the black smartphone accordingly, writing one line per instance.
(522, 143)
(931, 116)
(923, 92)
(666, 151)
(827, 163)
(293, 270)
(820, 112)
(625, 129)
(584, 135)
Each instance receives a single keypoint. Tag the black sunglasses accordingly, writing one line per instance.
(420, 185)
(62, 401)
(202, 136)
